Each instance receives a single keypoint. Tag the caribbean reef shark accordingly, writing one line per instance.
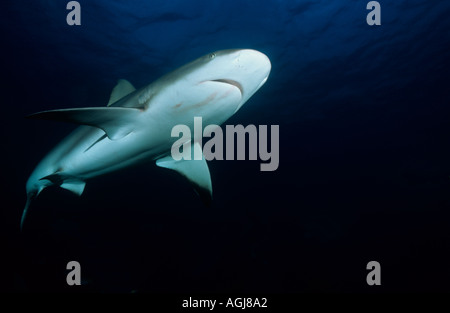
(136, 125)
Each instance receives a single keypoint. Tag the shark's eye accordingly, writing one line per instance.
(212, 56)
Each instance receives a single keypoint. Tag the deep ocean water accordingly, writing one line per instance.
(364, 149)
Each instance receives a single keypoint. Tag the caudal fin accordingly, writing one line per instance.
(30, 197)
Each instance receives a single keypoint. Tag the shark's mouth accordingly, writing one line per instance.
(230, 82)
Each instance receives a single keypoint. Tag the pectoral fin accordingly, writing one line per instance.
(196, 171)
(117, 122)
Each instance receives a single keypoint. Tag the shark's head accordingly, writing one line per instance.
(246, 69)
(222, 78)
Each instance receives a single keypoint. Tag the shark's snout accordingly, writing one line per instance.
(251, 70)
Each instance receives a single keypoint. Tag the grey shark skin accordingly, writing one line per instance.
(136, 125)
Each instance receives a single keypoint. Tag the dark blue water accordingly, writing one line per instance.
(364, 149)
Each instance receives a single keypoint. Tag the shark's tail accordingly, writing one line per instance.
(30, 197)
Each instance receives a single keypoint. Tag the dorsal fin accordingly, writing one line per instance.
(122, 89)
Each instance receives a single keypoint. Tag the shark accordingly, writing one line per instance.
(135, 126)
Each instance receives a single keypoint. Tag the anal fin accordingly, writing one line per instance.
(74, 185)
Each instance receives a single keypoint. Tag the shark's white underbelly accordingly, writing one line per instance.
(88, 158)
